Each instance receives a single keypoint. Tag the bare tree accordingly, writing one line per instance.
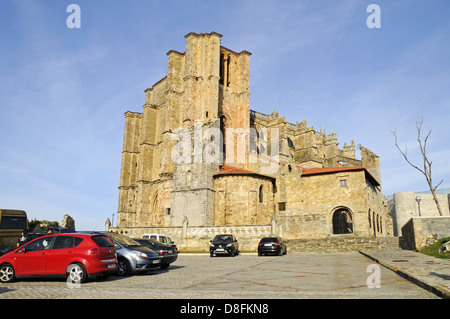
(426, 170)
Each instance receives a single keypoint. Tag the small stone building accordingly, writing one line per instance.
(198, 161)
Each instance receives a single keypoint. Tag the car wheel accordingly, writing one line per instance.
(7, 273)
(76, 273)
(123, 267)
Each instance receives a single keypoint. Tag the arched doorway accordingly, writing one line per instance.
(342, 221)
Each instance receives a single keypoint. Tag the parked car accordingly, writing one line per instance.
(272, 245)
(224, 244)
(132, 257)
(167, 252)
(75, 256)
(159, 237)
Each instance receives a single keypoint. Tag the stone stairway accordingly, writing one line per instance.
(337, 244)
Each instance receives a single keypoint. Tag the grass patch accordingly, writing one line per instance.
(433, 250)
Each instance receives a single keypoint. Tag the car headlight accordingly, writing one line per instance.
(140, 254)
(230, 245)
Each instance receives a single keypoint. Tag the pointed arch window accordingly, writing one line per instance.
(224, 72)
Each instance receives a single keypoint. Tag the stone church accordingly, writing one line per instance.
(198, 161)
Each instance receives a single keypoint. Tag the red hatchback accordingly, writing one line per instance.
(73, 255)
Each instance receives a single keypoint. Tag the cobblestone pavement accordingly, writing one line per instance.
(247, 276)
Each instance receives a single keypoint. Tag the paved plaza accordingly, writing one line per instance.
(247, 276)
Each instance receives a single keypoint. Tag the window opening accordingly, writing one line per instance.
(261, 194)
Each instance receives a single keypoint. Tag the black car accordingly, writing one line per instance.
(168, 253)
(224, 244)
(272, 245)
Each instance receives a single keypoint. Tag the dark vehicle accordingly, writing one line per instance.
(168, 253)
(272, 245)
(132, 257)
(61, 230)
(12, 223)
(54, 230)
(224, 244)
(75, 256)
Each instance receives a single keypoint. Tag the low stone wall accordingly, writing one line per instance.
(417, 230)
(197, 238)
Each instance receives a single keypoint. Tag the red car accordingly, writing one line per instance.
(73, 255)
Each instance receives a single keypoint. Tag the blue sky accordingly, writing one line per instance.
(63, 92)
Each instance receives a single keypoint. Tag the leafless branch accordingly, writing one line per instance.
(426, 171)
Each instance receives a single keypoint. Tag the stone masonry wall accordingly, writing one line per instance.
(312, 200)
(417, 230)
(197, 238)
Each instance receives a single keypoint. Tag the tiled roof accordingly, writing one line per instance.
(230, 170)
(326, 170)
(331, 170)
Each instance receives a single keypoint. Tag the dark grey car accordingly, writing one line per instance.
(132, 257)
(168, 253)
(272, 246)
(224, 244)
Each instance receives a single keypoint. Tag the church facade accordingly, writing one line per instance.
(198, 160)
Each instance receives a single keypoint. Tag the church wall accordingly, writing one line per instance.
(238, 200)
(192, 196)
(152, 203)
(312, 200)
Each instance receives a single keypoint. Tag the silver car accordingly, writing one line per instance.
(132, 257)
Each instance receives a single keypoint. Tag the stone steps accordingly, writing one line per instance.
(332, 244)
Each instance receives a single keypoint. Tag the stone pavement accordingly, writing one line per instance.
(294, 276)
(428, 272)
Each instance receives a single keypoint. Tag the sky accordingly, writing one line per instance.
(64, 91)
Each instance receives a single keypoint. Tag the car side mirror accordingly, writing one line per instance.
(235, 240)
(210, 241)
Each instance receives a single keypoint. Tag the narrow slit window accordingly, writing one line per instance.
(261, 194)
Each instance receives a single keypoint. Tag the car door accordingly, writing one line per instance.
(32, 258)
(58, 258)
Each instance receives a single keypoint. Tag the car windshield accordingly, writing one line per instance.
(124, 240)
(223, 238)
(269, 240)
(148, 243)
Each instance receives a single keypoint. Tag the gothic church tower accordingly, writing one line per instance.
(207, 86)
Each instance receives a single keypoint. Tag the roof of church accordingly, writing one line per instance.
(330, 170)
(230, 170)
